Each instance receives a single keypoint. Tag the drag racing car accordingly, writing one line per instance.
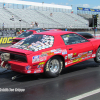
(48, 52)
(29, 32)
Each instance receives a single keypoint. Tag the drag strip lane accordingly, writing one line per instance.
(75, 70)
(75, 80)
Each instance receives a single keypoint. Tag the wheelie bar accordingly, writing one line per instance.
(17, 76)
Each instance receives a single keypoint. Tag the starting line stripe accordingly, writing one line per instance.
(85, 95)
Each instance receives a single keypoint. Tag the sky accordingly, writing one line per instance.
(94, 4)
(75, 3)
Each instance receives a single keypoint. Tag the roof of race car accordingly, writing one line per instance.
(36, 29)
(54, 33)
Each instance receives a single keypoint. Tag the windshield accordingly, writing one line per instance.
(35, 42)
(25, 34)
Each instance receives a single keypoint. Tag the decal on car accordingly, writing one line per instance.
(29, 71)
(65, 63)
(70, 62)
(75, 54)
(70, 55)
(42, 58)
(28, 67)
(65, 57)
(77, 60)
(79, 57)
(50, 53)
(38, 70)
(35, 42)
(93, 55)
(90, 52)
(41, 63)
(39, 66)
(64, 52)
(38, 58)
(35, 58)
(55, 51)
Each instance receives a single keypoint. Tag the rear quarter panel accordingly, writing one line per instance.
(45, 54)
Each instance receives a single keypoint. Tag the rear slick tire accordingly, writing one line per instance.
(53, 67)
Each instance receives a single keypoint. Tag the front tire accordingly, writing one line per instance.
(97, 58)
(53, 67)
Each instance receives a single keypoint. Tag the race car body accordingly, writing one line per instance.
(49, 52)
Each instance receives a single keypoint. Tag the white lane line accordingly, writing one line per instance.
(85, 95)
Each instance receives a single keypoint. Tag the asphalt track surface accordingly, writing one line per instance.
(73, 81)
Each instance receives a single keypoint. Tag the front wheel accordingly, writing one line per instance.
(53, 67)
(97, 58)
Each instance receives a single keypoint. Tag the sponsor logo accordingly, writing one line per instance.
(53, 50)
(92, 9)
(76, 60)
(29, 71)
(41, 63)
(43, 58)
(28, 67)
(57, 51)
(50, 53)
(90, 51)
(42, 55)
(93, 55)
(38, 70)
(80, 8)
(64, 52)
(5, 40)
(84, 55)
(70, 62)
(65, 57)
(35, 57)
(39, 66)
(74, 54)
(70, 56)
(65, 63)
(35, 60)
(46, 52)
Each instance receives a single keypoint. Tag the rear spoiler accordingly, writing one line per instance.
(15, 51)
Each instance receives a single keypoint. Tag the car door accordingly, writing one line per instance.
(78, 48)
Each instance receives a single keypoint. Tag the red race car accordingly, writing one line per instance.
(30, 32)
(27, 33)
(49, 52)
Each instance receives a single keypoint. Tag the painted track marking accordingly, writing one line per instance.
(85, 95)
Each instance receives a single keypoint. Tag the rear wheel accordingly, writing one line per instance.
(97, 58)
(53, 67)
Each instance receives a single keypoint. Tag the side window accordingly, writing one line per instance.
(73, 39)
